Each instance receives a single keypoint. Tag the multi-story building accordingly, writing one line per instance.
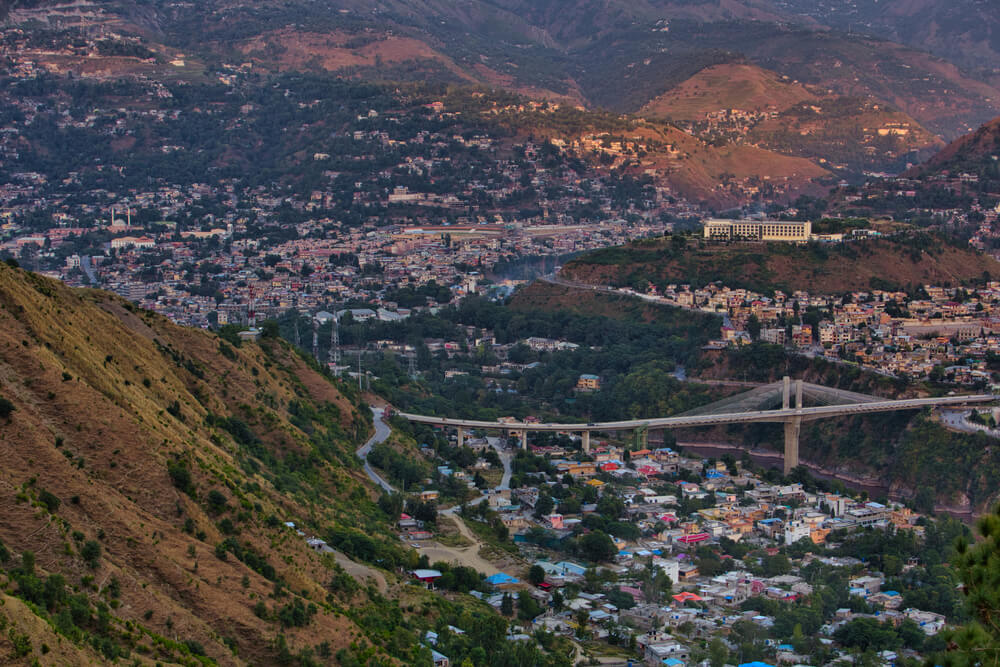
(758, 230)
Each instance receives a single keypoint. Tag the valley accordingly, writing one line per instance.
(315, 317)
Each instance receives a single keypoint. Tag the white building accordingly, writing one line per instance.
(758, 230)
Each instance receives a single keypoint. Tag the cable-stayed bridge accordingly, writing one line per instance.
(780, 402)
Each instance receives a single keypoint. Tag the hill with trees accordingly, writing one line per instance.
(906, 260)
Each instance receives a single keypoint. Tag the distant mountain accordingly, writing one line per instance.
(966, 32)
(618, 54)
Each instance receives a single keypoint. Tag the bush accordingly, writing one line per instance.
(91, 553)
(49, 499)
(216, 500)
(180, 475)
(6, 408)
(296, 614)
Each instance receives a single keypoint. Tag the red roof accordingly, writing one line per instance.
(687, 597)
(695, 537)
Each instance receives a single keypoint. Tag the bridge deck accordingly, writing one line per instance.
(779, 415)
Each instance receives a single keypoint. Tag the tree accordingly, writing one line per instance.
(507, 605)
(597, 546)
(718, 654)
(536, 575)
(544, 505)
(978, 642)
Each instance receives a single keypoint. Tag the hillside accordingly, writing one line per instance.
(151, 469)
(745, 104)
(719, 176)
(967, 153)
(831, 269)
(728, 86)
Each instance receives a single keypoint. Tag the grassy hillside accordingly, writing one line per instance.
(148, 472)
(829, 269)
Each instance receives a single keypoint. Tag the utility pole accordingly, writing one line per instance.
(359, 371)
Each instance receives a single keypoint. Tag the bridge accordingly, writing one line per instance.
(769, 403)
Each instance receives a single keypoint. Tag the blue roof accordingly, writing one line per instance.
(501, 578)
(672, 661)
(756, 663)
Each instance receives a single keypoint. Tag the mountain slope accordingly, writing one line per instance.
(152, 467)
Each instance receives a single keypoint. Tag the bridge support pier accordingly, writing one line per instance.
(523, 435)
(461, 437)
(585, 439)
(793, 425)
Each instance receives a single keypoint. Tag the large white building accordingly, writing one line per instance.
(758, 230)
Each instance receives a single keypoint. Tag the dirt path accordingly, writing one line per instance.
(362, 572)
(468, 556)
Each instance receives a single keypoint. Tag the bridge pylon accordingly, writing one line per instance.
(793, 425)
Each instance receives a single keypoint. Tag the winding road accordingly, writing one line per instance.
(382, 433)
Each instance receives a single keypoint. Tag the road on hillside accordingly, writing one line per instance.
(382, 432)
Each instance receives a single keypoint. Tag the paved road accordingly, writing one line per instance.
(958, 420)
(88, 269)
(506, 456)
(382, 432)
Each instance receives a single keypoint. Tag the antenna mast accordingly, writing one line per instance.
(335, 340)
(252, 314)
(315, 339)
